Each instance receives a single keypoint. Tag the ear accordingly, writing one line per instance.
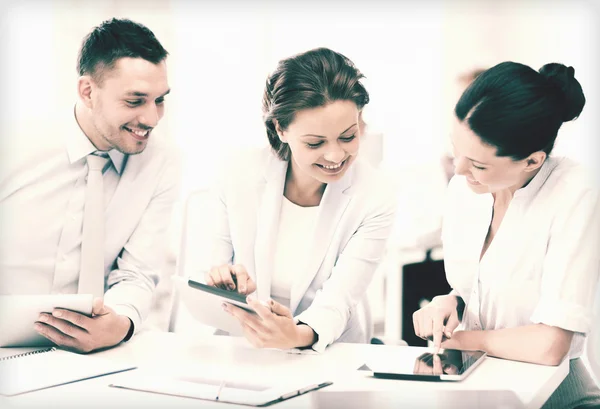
(535, 161)
(85, 88)
(280, 132)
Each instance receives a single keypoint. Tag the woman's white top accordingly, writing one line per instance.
(294, 241)
(543, 264)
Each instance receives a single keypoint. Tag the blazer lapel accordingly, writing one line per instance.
(267, 225)
(333, 205)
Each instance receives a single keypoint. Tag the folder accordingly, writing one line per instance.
(44, 368)
(251, 393)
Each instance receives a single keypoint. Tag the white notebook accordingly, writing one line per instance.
(44, 368)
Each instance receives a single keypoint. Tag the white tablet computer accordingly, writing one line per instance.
(18, 313)
(454, 365)
(204, 303)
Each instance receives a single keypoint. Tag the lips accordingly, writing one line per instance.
(473, 182)
(332, 169)
(139, 134)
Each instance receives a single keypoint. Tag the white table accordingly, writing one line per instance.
(235, 358)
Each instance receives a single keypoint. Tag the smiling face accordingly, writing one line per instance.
(323, 141)
(125, 106)
(485, 172)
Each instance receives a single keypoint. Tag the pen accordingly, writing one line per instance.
(220, 388)
(304, 390)
(313, 387)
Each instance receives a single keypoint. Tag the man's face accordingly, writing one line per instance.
(127, 104)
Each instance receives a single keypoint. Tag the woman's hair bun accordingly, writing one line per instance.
(563, 77)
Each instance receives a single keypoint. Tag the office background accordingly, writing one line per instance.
(221, 52)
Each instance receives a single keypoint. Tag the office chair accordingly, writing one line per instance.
(194, 225)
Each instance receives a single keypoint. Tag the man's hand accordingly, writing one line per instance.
(80, 333)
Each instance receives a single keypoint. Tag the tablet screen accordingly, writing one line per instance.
(452, 365)
(19, 312)
(452, 362)
(231, 295)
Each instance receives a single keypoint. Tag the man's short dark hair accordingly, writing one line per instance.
(115, 39)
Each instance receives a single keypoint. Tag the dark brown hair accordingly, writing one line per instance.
(519, 110)
(115, 39)
(308, 80)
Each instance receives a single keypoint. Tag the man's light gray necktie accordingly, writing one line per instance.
(91, 275)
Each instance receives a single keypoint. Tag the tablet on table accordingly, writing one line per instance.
(453, 365)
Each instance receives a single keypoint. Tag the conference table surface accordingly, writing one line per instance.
(495, 383)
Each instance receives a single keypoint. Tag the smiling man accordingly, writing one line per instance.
(84, 208)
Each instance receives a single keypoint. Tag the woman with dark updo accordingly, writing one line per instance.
(521, 231)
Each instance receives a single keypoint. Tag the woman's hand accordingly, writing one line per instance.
(232, 278)
(438, 319)
(272, 326)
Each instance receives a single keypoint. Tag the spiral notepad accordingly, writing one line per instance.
(44, 368)
(23, 354)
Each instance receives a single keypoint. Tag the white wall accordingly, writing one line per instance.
(221, 53)
(534, 32)
(224, 54)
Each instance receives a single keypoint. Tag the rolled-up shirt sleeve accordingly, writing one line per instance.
(571, 266)
(138, 268)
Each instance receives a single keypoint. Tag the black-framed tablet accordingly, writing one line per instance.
(453, 365)
(232, 297)
(205, 304)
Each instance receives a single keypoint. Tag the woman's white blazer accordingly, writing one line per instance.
(354, 222)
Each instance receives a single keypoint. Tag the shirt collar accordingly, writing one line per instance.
(538, 180)
(79, 146)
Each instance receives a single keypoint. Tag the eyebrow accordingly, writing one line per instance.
(471, 159)
(475, 160)
(324, 137)
(143, 94)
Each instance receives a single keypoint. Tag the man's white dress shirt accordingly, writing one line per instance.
(541, 267)
(42, 194)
